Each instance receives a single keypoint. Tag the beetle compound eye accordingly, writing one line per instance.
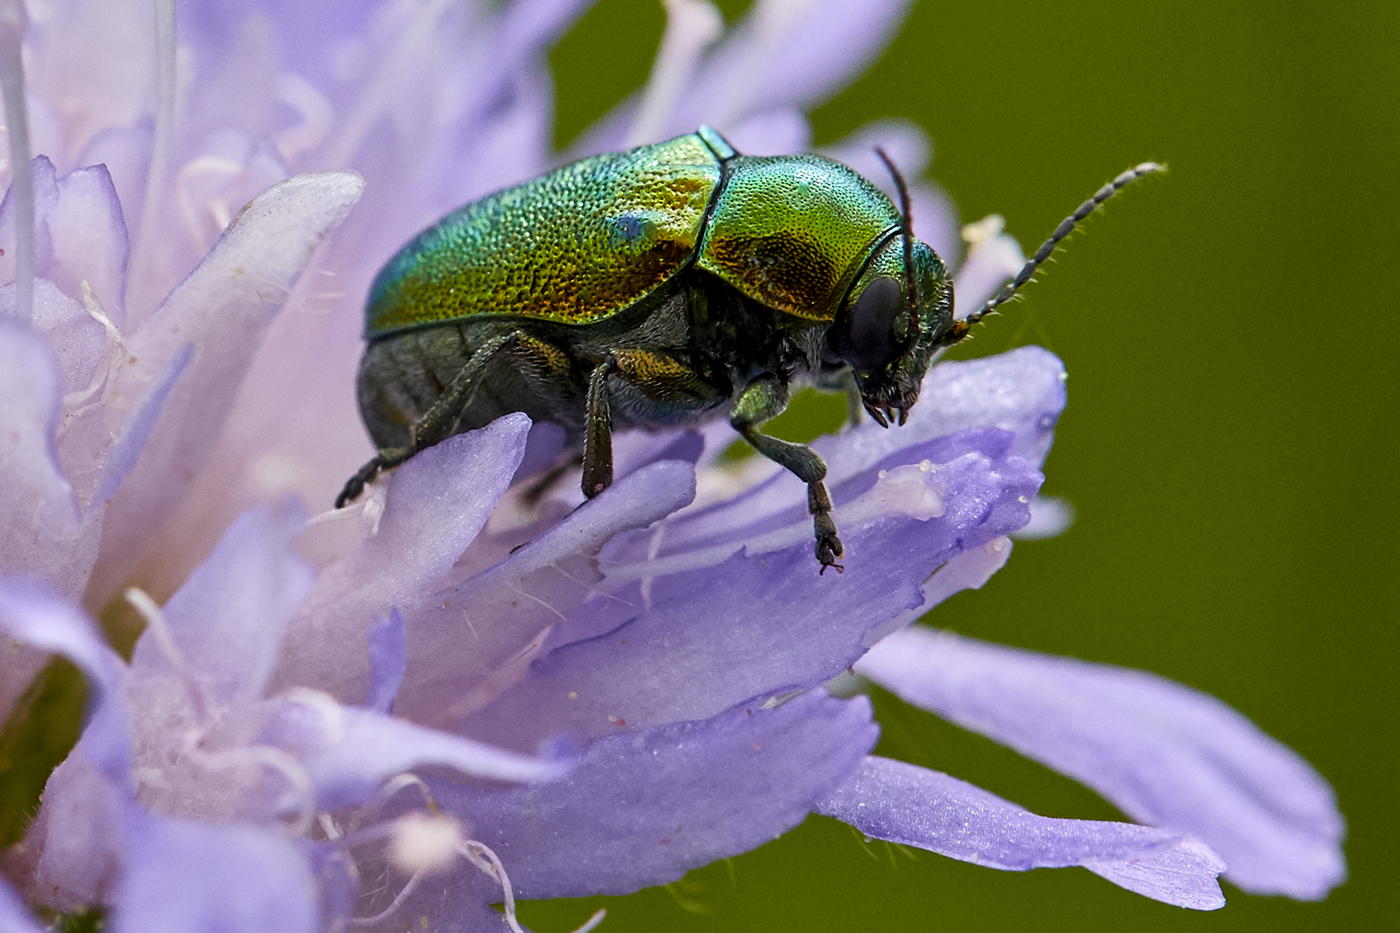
(872, 341)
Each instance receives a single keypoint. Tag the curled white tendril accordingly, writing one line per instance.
(477, 853)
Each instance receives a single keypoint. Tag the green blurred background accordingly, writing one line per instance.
(1230, 444)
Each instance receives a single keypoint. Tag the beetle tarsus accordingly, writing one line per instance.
(829, 548)
(384, 460)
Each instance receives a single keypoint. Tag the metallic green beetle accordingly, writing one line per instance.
(658, 287)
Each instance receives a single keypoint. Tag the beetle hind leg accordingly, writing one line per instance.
(765, 398)
(439, 422)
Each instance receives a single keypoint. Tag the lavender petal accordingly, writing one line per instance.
(74, 337)
(33, 614)
(903, 803)
(137, 427)
(14, 918)
(457, 665)
(78, 831)
(227, 618)
(990, 264)
(224, 307)
(388, 661)
(1163, 753)
(182, 876)
(89, 237)
(694, 618)
(350, 752)
(782, 131)
(643, 807)
(435, 504)
(776, 59)
(56, 545)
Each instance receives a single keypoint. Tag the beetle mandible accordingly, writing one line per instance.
(658, 287)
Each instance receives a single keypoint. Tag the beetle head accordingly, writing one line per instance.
(887, 337)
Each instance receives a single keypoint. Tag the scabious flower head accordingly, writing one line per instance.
(460, 692)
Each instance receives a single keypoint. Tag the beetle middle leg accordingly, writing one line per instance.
(597, 438)
(765, 398)
(660, 378)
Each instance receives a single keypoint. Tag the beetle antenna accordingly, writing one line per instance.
(1065, 228)
(906, 230)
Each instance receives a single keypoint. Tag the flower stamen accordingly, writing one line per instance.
(160, 144)
(161, 635)
(13, 21)
(79, 403)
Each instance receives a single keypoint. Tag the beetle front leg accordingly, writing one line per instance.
(765, 398)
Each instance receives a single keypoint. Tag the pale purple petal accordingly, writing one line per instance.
(137, 427)
(89, 238)
(350, 752)
(33, 614)
(527, 25)
(904, 142)
(388, 660)
(1163, 753)
(434, 505)
(227, 618)
(774, 132)
(77, 835)
(74, 337)
(469, 642)
(437, 502)
(702, 620)
(1050, 516)
(14, 918)
(642, 808)
(307, 34)
(903, 803)
(47, 537)
(990, 263)
(99, 54)
(192, 877)
(82, 352)
(968, 571)
(224, 308)
(782, 55)
(45, 192)
(543, 448)
(125, 151)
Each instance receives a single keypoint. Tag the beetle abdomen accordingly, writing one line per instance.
(403, 375)
(574, 246)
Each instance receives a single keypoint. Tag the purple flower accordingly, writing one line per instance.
(603, 694)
